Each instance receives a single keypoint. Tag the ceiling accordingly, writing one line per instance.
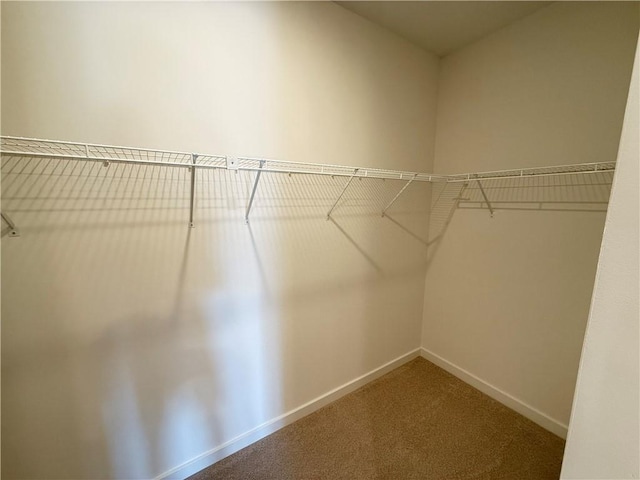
(443, 26)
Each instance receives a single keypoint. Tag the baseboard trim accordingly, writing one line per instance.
(218, 453)
(501, 396)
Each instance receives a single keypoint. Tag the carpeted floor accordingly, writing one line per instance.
(416, 422)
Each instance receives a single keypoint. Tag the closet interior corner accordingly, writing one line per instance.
(319, 240)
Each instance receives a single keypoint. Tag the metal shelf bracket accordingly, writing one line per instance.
(342, 193)
(486, 200)
(253, 193)
(398, 194)
(13, 230)
(192, 196)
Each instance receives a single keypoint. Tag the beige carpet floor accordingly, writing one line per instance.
(416, 422)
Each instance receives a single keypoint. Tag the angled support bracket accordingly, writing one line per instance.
(13, 230)
(460, 198)
(398, 194)
(192, 196)
(342, 193)
(253, 193)
(486, 200)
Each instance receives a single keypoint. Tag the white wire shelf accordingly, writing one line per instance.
(106, 154)
(32, 147)
(575, 169)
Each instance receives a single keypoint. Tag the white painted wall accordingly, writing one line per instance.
(132, 344)
(603, 439)
(507, 298)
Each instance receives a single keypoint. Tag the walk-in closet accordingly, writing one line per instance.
(330, 240)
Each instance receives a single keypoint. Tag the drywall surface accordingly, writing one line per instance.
(603, 439)
(131, 344)
(507, 298)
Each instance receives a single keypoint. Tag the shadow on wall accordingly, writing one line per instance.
(132, 344)
(444, 202)
(95, 322)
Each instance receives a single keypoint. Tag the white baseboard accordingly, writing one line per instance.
(501, 396)
(218, 453)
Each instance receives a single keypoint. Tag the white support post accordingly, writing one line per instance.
(398, 194)
(253, 193)
(342, 193)
(192, 196)
(486, 200)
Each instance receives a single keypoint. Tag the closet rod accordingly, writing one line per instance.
(33, 147)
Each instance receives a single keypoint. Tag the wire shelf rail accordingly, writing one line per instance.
(33, 147)
(555, 170)
(106, 154)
